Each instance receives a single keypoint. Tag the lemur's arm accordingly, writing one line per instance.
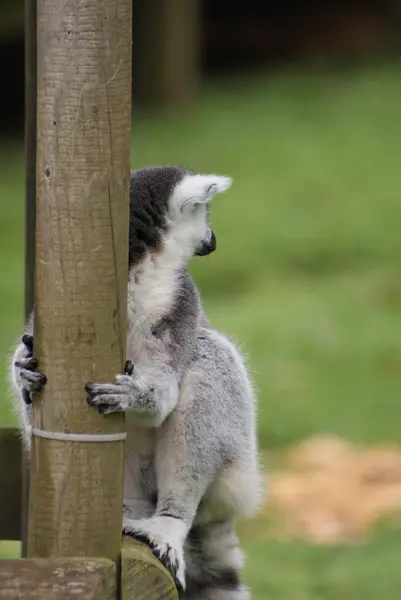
(150, 390)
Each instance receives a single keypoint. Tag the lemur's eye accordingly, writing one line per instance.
(194, 208)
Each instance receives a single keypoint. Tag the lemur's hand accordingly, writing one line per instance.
(25, 369)
(129, 392)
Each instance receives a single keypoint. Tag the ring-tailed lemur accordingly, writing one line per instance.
(191, 464)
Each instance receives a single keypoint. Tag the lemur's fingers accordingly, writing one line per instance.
(29, 363)
(33, 381)
(107, 397)
(30, 379)
(117, 397)
(104, 389)
(108, 409)
(125, 384)
(110, 399)
(27, 340)
(106, 404)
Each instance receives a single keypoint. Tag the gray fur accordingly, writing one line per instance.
(191, 464)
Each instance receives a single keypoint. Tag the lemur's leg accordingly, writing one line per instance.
(213, 563)
(140, 489)
(137, 509)
(184, 466)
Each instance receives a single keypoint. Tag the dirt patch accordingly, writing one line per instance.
(329, 491)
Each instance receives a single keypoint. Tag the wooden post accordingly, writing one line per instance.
(82, 217)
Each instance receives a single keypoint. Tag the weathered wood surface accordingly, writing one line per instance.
(143, 577)
(82, 218)
(10, 484)
(58, 579)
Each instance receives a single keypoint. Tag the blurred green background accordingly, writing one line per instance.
(306, 275)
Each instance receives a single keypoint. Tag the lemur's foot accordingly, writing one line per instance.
(165, 537)
(25, 366)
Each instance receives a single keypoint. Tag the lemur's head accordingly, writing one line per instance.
(170, 212)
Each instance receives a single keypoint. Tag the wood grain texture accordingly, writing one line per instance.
(142, 575)
(82, 219)
(57, 579)
(10, 483)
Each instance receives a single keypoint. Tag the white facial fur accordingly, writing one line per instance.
(188, 209)
(153, 283)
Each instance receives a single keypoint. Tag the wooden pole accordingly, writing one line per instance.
(30, 211)
(82, 217)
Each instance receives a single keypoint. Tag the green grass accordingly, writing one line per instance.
(307, 275)
(300, 572)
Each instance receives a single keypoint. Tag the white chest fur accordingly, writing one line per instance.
(151, 289)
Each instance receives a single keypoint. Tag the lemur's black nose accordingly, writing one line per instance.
(208, 245)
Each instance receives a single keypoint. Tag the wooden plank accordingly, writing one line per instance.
(81, 271)
(142, 575)
(10, 484)
(58, 579)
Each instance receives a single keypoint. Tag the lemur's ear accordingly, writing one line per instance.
(199, 189)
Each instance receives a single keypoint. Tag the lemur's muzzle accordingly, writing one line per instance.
(208, 245)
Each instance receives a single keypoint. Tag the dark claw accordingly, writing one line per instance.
(128, 367)
(101, 408)
(43, 380)
(26, 396)
(88, 388)
(28, 341)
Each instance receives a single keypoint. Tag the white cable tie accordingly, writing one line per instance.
(78, 437)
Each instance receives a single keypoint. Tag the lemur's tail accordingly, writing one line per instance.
(213, 564)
